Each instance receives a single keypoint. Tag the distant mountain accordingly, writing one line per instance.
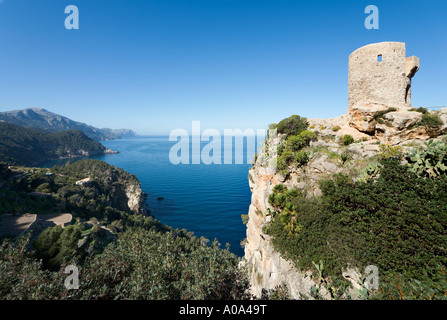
(52, 122)
(27, 146)
(119, 133)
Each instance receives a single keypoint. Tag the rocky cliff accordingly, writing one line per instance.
(373, 129)
(135, 198)
(267, 269)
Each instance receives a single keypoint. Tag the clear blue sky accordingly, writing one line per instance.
(154, 66)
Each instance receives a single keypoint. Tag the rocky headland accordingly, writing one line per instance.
(379, 119)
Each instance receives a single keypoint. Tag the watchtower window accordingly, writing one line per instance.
(379, 58)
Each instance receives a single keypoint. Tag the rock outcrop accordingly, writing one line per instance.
(135, 198)
(379, 112)
(267, 269)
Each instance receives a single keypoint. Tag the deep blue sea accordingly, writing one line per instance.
(205, 199)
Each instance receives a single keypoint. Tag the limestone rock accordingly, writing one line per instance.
(361, 116)
(442, 114)
(135, 198)
(363, 150)
(403, 119)
(354, 276)
(418, 133)
(322, 165)
(374, 86)
(267, 269)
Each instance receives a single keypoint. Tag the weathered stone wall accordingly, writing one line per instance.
(386, 82)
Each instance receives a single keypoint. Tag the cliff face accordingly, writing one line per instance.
(327, 155)
(266, 267)
(117, 188)
(379, 120)
(135, 198)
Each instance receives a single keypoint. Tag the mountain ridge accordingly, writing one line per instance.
(43, 119)
(32, 146)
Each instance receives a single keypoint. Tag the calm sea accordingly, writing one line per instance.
(205, 199)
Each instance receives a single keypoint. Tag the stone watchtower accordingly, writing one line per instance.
(379, 73)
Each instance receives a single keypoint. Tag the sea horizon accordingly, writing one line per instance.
(207, 200)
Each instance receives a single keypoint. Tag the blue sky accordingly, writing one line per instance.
(154, 66)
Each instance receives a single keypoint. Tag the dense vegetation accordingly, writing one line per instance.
(292, 125)
(20, 145)
(431, 121)
(297, 137)
(103, 198)
(15, 199)
(120, 254)
(394, 217)
(396, 221)
(141, 264)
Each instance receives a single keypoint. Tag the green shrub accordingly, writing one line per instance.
(280, 149)
(345, 156)
(56, 245)
(295, 143)
(388, 151)
(282, 166)
(308, 136)
(281, 163)
(44, 187)
(279, 188)
(141, 265)
(288, 156)
(250, 177)
(292, 125)
(244, 218)
(301, 158)
(400, 289)
(379, 115)
(278, 293)
(291, 151)
(395, 222)
(347, 139)
(430, 121)
(336, 128)
(420, 109)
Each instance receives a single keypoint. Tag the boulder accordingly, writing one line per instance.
(442, 113)
(323, 164)
(361, 116)
(403, 119)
